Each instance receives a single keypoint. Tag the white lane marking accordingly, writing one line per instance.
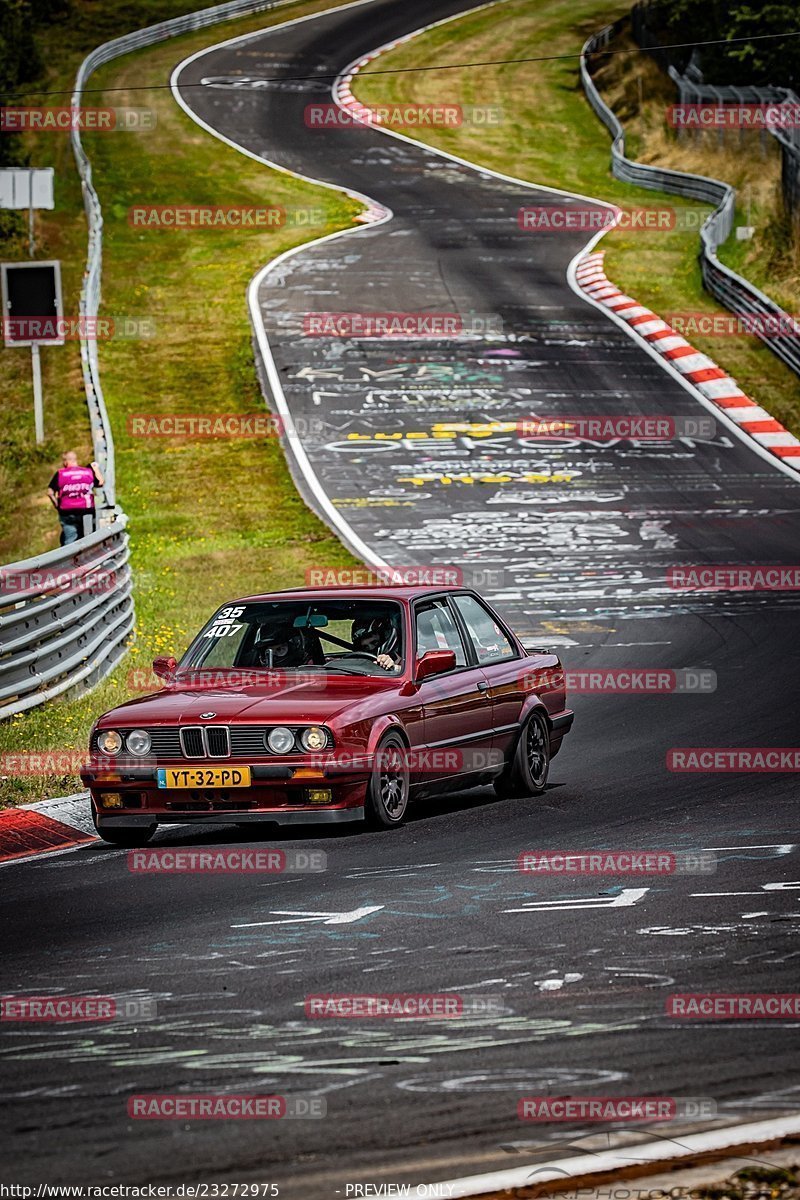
(626, 898)
(765, 887)
(619, 1159)
(778, 847)
(556, 984)
(327, 918)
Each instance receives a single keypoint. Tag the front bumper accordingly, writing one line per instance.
(279, 793)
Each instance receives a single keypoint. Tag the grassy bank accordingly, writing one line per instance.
(550, 135)
(208, 519)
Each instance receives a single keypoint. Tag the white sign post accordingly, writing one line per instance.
(32, 312)
(38, 406)
(27, 187)
(31, 188)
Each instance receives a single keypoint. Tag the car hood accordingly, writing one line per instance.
(309, 701)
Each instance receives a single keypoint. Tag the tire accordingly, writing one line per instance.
(386, 801)
(530, 766)
(131, 837)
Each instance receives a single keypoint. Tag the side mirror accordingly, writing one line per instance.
(434, 662)
(164, 667)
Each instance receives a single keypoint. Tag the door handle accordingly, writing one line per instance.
(483, 686)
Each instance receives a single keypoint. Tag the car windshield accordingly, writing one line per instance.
(353, 637)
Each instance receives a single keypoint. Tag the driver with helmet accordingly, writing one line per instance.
(379, 637)
(282, 646)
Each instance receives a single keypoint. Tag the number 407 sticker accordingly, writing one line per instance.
(225, 624)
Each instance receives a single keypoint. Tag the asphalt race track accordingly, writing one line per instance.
(583, 966)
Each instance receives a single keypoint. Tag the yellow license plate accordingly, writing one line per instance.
(203, 777)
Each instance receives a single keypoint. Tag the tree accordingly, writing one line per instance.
(758, 60)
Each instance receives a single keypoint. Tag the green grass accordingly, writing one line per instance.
(209, 520)
(550, 135)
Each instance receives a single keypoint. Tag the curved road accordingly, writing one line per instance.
(582, 966)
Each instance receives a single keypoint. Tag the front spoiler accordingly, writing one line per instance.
(305, 816)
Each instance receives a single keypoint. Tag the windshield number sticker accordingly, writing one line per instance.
(225, 623)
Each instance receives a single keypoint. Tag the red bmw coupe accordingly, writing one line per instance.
(327, 705)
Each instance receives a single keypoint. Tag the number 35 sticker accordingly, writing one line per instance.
(225, 623)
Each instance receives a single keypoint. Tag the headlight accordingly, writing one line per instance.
(314, 738)
(138, 742)
(109, 741)
(280, 740)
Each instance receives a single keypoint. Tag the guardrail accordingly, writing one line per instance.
(732, 290)
(64, 618)
(67, 629)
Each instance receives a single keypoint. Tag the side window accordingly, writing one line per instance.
(491, 644)
(436, 630)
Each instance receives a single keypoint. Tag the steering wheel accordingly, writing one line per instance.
(359, 654)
